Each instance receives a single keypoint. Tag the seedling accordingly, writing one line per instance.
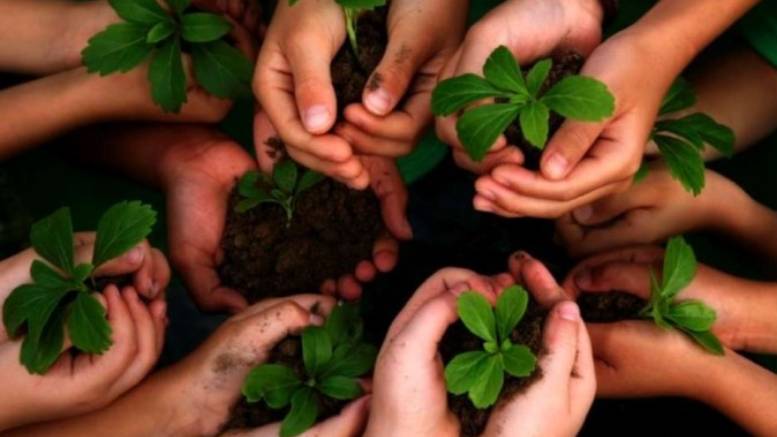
(681, 141)
(516, 97)
(287, 183)
(60, 294)
(352, 10)
(481, 373)
(692, 316)
(334, 358)
(150, 31)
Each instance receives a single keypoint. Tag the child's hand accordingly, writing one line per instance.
(77, 384)
(409, 395)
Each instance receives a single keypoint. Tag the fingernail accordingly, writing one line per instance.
(583, 214)
(316, 320)
(521, 255)
(459, 288)
(135, 256)
(569, 311)
(483, 205)
(556, 165)
(583, 278)
(378, 102)
(316, 118)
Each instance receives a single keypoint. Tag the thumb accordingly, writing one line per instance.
(419, 339)
(391, 191)
(624, 276)
(310, 57)
(567, 147)
(560, 342)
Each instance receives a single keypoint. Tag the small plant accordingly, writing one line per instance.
(692, 317)
(481, 373)
(681, 141)
(352, 10)
(334, 357)
(150, 31)
(286, 184)
(516, 97)
(60, 294)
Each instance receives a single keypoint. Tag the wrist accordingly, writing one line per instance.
(80, 21)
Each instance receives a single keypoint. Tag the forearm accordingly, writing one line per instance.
(748, 223)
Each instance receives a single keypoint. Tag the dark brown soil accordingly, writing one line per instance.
(249, 416)
(458, 339)
(610, 307)
(564, 65)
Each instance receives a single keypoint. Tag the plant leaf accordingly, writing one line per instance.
(488, 385)
(285, 175)
(503, 72)
(519, 361)
(247, 204)
(360, 4)
(580, 98)
(679, 267)
(40, 352)
(692, 315)
(316, 349)
(510, 308)
(303, 413)
(708, 341)
(247, 186)
(344, 324)
(160, 32)
(480, 127)
(537, 76)
(222, 69)
(341, 388)
(168, 80)
(351, 360)
(87, 325)
(273, 382)
(200, 27)
(121, 228)
(119, 48)
(24, 302)
(684, 162)
(178, 6)
(657, 302)
(308, 180)
(463, 370)
(452, 95)
(477, 315)
(534, 123)
(139, 11)
(46, 277)
(680, 96)
(642, 173)
(52, 238)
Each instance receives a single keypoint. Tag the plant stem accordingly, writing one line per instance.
(351, 16)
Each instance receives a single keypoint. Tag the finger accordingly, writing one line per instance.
(349, 288)
(560, 342)
(583, 382)
(540, 282)
(329, 287)
(123, 334)
(497, 156)
(366, 143)
(479, 203)
(421, 335)
(143, 278)
(635, 254)
(350, 172)
(146, 356)
(158, 309)
(309, 58)
(315, 304)
(130, 262)
(613, 206)
(365, 271)
(390, 189)
(615, 276)
(385, 253)
(567, 147)
(349, 423)
(161, 274)
(206, 289)
(636, 227)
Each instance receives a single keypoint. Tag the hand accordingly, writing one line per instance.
(531, 29)
(77, 384)
(651, 211)
(409, 395)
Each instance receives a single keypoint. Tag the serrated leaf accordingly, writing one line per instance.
(351, 360)
(510, 308)
(701, 129)
(537, 75)
(167, 77)
(708, 341)
(679, 267)
(222, 69)
(139, 11)
(680, 96)
(488, 385)
(200, 27)
(308, 180)
(503, 72)
(52, 239)
(693, 315)
(519, 361)
(534, 119)
(479, 128)
(316, 349)
(24, 302)
(87, 325)
(580, 98)
(178, 6)
(121, 228)
(273, 382)
(284, 176)
(340, 387)
(463, 370)
(684, 161)
(46, 277)
(302, 415)
(160, 32)
(119, 48)
(477, 315)
(40, 352)
(454, 94)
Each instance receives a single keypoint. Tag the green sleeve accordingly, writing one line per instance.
(759, 28)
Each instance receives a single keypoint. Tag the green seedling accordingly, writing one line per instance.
(516, 97)
(352, 10)
(150, 31)
(481, 373)
(286, 184)
(681, 141)
(693, 317)
(60, 295)
(334, 357)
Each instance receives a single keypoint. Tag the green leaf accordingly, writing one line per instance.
(25, 302)
(167, 77)
(708, 341)
(308, 180)
(452, 95)
(480, 127)
(40, 352)
(519, 361)
(302, 415)
(119, 48)
(510, 308)
(657, 302)
(700, 128)
(199, 27)
(680, 96)
(503, 72)
(684, 162)
(222, 69)
(463, 370)
(477, 315)
(52, 238)
(139, 11)
(642, 173)
(351, 360)
(341, 388)
(121, 228)
(693, 315)
(580, 98)
(87, 325)
(81, 272)
(247, 204)
(343, 324)
(273, 382)
(178, 6)
(46, 277)
(160, 32)
(488, 385)
(316, 349)
(285, 176)
(247, 186)
(534, 123)
(679, 267)
(361, 4)
(537, 76)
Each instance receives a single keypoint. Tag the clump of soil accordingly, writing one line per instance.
(610, 307)
(249, 416)
(458, 339)
(564, 65)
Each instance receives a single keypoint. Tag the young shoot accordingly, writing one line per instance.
(286, 184)
(334, 358)
(693, 317)
(352, 10)
(515, 96)
(481, 373)
(60, 294)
